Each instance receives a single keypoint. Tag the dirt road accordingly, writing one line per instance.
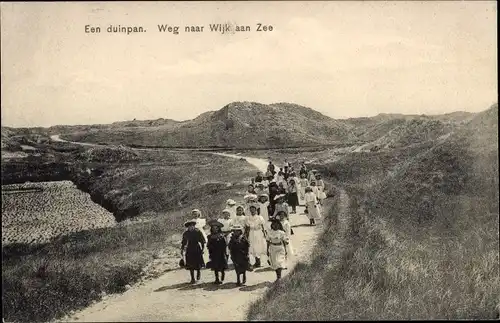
(172, 298)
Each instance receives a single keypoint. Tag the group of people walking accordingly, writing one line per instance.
(258, 228)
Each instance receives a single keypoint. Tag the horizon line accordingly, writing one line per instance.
(253, 102)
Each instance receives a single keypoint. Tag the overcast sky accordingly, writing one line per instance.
(344, 59)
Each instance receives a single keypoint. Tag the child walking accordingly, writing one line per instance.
(192, 247)
(239, 247)
(287, 228)
(256, 235)
(313, 211)
(303, 184)
(216, 246)
(277, 241)
(292, 197)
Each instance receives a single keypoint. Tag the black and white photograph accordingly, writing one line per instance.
(180, 161)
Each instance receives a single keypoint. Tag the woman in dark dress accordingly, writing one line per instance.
(273, 191)
(239, 247)
(216, 246)
(292, 195)
(192, 246)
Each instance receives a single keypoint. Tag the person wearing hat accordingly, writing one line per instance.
(217, 251)
(281, 205)
(314, 188)
(231, 206)
(192, 247)
(251, 189)
(250, 199)
(240, 218)
(277, 241)
(200, 222)
(313, 211)
(256, 233)
(287, 228)
(263, 206)
(260, 189)
(226, 225)
(321, 189)
(239, 248)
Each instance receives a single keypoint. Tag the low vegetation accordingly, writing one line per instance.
(421, 241)
(414, 236)
(45, 281)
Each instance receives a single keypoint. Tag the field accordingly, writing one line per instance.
(419, 240)
(38, 212)
(416, 238)
(151, 193)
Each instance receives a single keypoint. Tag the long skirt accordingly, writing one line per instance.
(194, 258)
(321, 193)
(313, 211)
(302, 193)
(293, 199)
(258, 244)
(277, 256)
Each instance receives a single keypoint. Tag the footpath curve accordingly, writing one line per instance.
(171, 298)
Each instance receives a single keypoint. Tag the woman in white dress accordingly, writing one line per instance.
(313, 210)
(277, 241)
(256, 235)
(321, 189)
(303, 183)
(201, 222)
(231, 206)
(287, 227)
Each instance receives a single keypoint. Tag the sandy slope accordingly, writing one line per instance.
(172, 298)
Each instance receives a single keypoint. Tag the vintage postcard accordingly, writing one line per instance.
(249, 160)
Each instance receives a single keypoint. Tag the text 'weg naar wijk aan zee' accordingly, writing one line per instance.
(226, 28)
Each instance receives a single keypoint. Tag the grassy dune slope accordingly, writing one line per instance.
(42, 282)
(419, 242)
(238, 125)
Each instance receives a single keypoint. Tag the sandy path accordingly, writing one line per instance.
(171, 298)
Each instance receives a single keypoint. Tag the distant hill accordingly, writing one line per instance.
(256, 125)
(236, 125)
(397, 130)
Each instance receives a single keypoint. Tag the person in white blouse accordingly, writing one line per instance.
(231, 206)
(240, 218)
(201, 222)
(226, 225)
(313, 211)
(256, 234)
